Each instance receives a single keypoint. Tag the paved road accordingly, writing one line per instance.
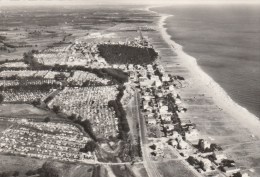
(149, 165)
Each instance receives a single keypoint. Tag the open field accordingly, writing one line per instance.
(17, 163)
(129, 170)
(23, 111)
(174, 169)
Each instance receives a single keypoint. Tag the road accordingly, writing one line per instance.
(149, 165)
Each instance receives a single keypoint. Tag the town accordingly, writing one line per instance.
(90, 85)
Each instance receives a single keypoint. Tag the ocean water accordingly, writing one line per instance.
(225, 40)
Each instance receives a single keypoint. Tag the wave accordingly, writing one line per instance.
(219, 95)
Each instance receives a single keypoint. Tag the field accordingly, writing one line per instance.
(129, 170)
(23, 111)
(167, 169)
(21, 164)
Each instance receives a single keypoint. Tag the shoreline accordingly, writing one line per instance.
(212, 88)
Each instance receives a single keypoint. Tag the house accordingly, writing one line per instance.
(163, 109)
(132, 75)
(165, 78)
(206, 164)
(171, 88)
(245, 175)
(155, 78)
(150, 68)
(151, 121)
(192, 135)
(130, 67)
(203, 144)
(143, 72)
(219, 156)
(169, 127)
(175, 135)
(166, 117)
(146, 83)
(174, 143)
(231, 170)
(178, 101)
(158, 83)
(145, 104)
(182, 144)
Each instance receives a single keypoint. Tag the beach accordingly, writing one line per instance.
(219, 119)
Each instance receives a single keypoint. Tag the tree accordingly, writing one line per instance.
(50, 169)
(36, 102)
(30, 173)
(60, 76)
(56, 109)
(90, 146)
(16, 173)
(47, 119)
(73, 117)
(1, 98)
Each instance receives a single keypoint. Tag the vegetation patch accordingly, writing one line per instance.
(124, 54)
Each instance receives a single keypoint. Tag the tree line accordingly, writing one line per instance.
(123, 126)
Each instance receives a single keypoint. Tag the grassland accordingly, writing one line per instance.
(174, 169)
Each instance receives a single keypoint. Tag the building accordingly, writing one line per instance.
(203, 144)
(245, 175)
(219, 156)
(206, 164)
(231, 170)
(165, 78)
(151, 121)
(192, 135)
(183, 145)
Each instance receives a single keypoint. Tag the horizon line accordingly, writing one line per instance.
(151, 3)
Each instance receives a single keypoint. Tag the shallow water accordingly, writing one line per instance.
(225, 40)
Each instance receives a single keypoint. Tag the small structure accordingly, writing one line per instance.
(203, 144)
(231, 170)
(219, 156)
(192, 135)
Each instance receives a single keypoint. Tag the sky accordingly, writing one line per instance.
(149, 2)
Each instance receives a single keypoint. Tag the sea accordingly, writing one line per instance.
(225, 40)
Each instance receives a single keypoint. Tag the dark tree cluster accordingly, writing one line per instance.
(29, 58)
(86, 124)
(50, 170)
(89, 147)
(116, 75)
(124, 54)
(9, 174)
(1, 98)
(2, 38)
(123, 126)
(30, 88)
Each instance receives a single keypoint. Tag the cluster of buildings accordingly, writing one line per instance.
(77, 54)
(80, 77)
(42, 140)
(14, 65)
(25, 82)
(23, 95)
(45, 74)
(137, 42)
(90, 103)
(161, 107)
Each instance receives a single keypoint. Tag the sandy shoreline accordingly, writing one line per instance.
(212, 88)
(223, 121)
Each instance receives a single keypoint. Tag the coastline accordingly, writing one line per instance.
(212, 88)
(217, 117)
